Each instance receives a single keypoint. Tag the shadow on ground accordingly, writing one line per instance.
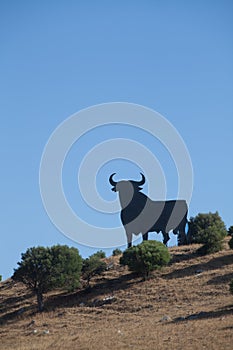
(15, 315)
(223, 312)
(105, 287)
(86, 296)
(213, 264)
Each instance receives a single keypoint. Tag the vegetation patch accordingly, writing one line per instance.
(146, 257)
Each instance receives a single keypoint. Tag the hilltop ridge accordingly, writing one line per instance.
(186, 305)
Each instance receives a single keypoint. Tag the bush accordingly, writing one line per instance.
(231, 243)
(43, 269)
(100, 254)
(92, 266)
(0, 278)
(209, 230)
(230, 231)
(213, 241)
(146, 257)
(116, 252)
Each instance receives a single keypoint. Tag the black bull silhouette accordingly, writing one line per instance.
(139, 214)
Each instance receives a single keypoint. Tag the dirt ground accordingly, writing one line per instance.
(187, 305)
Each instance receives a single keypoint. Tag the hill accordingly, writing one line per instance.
(187, 305)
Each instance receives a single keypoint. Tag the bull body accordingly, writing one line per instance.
(140, 214)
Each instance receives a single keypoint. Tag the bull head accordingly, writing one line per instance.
(136, 184)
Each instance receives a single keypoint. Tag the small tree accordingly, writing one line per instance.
(231, 243)
(230, 231)
(43, 269)
(0, 278)
(209, 230)
(213, 241)
(146, 257)
(92, 266)
(116, 252)
(100, 254)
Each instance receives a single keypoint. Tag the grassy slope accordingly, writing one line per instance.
(185, 306)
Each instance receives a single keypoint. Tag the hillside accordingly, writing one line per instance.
(187, 305)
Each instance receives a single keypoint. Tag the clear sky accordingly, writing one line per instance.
(58, 57)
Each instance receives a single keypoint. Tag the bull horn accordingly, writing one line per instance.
(143, 180)
(112, 182)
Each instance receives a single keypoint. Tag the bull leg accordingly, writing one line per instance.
(145, 236)
(129, 239)
(165, 237)
(182, 239)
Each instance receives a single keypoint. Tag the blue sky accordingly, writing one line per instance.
(58, 57)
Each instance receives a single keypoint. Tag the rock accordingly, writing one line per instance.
(46, 331)
(34, 331)
(32, 323)
(110, 266)
(109, 299)
(81, 304)
(165, 318)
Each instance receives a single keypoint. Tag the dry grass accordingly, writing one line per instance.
(185, 306)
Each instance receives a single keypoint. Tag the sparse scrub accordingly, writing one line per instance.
(116, 252)
(100, 254)
(146, 257)
(107, 316)
(231, 243)
(209, 230)
(92, 266)
(213, 241)
(230, 231)
(43, 269)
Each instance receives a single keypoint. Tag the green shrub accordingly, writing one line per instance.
(43, 269)
(230, 231)
(0, 278)
(231, 243)
(209, 230)
(213, 241)
(116, 252)
(92, 266)
(100, 254)
(146, 257)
